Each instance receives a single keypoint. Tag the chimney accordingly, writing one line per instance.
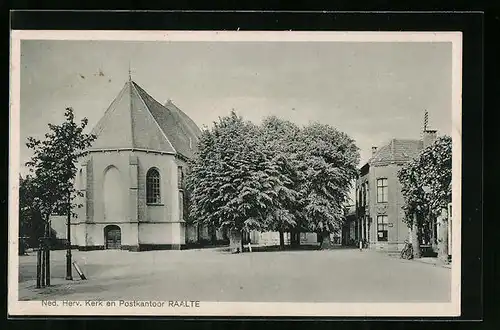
(429, 137)
(374, 150)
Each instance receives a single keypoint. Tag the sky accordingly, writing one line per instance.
(371, 91)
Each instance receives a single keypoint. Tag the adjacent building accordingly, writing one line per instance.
(379, 200)
(350, 227)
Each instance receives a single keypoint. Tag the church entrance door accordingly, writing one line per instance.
(113, 237)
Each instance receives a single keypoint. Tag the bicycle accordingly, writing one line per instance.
(407, 251)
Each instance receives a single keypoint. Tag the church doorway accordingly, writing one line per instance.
(112, 237)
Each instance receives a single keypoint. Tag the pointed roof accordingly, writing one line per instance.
(136, 120)
(398, 151)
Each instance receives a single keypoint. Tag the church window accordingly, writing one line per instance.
(153, 187)
(180, 178)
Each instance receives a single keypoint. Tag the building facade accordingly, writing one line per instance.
(379, 200)
(132, 178)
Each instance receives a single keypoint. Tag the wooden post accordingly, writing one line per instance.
(47, 251)
(39, 267)
(79, 271)
(43, 266)
(69, 275)
(47, 264)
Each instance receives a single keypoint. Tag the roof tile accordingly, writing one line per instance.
(397, 150)
(136, 120)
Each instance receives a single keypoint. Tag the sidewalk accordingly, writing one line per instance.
(432, 261)
(424, 260)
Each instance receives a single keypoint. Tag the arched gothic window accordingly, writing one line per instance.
(153, 187)
(180, 178)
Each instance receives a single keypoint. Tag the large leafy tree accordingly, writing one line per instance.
(53, 166)
(279, 139)
(272, 177)
(426, 187)
(328, 161)
(232, 181)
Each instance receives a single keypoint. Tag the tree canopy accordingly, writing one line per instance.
(273, 176)
(232, 182)
(53, 165)
(329, 160)
(279, 140)
(426, 181)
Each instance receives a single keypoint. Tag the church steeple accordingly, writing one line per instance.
(129, 72)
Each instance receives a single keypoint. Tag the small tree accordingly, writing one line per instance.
(53, 166)
(426, 187)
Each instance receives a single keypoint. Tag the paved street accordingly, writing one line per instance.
(342, 275)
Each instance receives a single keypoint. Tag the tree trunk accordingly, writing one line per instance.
(22, 247)
(415, 239)
(213, 236)
(433, 225)
(282, 239)
(235, 241)
(294, 238)
(326, 242)
(443, 236)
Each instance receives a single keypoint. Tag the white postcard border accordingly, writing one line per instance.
(19, 308)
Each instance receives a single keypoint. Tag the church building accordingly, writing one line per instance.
(132, 177)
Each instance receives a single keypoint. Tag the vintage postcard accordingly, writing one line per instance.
(230, 173)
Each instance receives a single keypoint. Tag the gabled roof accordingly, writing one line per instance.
(398, 151)
(136, 120)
